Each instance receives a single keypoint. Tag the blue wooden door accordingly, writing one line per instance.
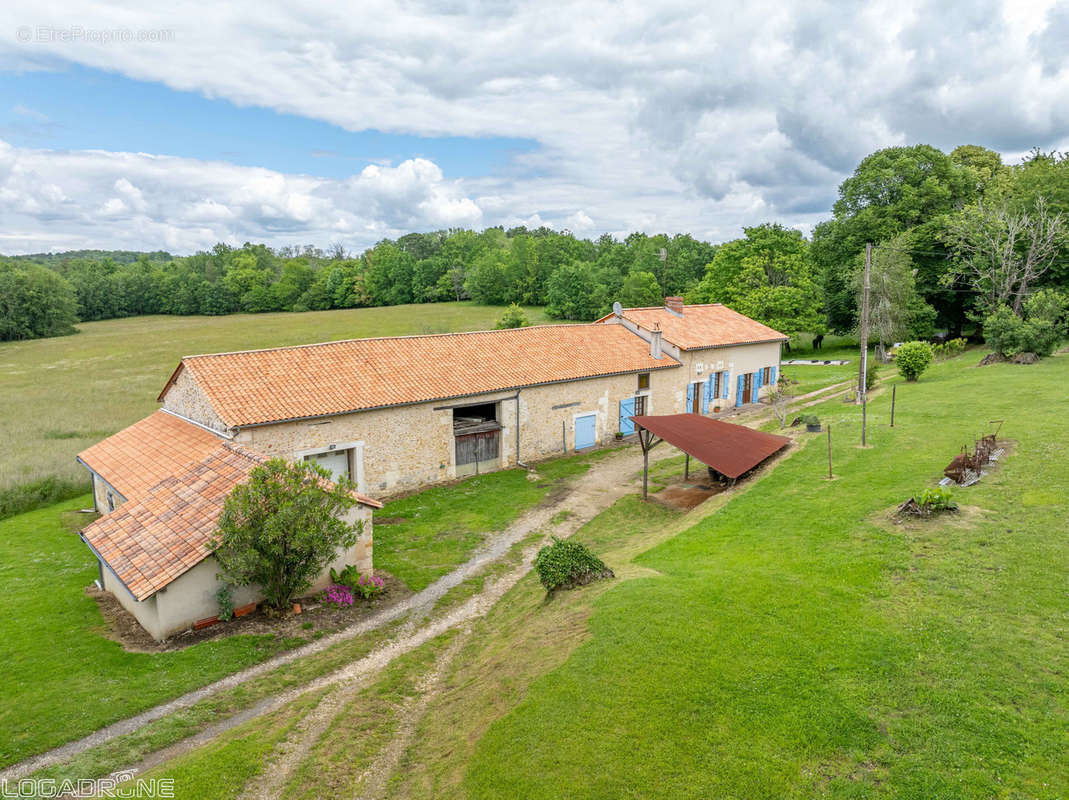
(690, 397)
(740, 391)
(725, 379)
(627, 410)
(757, 384)
(585, 431)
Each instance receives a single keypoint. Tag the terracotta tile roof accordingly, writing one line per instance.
(137, 458)
(151, 541)
(711, 325)
(162, 529)
(260, 386)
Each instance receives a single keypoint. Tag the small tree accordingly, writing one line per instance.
(282, 527)
(781, 397)
(913, 358)
(514, 317)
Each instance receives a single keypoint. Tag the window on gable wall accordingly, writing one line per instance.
(643, 381)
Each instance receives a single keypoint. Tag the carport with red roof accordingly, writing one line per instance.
(729, 449)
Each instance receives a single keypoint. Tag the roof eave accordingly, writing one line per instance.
(241, 426)
(780, 338)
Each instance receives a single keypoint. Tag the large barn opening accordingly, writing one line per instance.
(478, 438)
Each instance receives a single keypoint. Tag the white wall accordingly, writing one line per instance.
(191, 596)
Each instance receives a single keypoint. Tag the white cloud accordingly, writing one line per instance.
(143, 201)
(670, 116)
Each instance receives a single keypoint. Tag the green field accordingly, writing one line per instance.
(45, 567)
(59, 676)
(798, 642)
(58, 396)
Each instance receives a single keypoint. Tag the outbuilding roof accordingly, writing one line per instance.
(175, 477)
(701, 326)
(150, 541)
(730, 449)
(136, 458)
(255, 387)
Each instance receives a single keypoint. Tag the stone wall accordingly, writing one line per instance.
(406, 447)
(185, 398)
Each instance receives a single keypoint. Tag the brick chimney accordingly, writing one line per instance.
(675, 305)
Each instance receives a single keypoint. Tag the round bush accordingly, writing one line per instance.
(565, 564)
(913, 358)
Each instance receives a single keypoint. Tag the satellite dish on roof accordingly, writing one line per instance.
(617, 309)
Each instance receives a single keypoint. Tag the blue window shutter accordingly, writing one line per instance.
(724, 383)
(739, 391)
(627, 410)
(705, 395)
(755, 386)
(772, 377)
(690, 396)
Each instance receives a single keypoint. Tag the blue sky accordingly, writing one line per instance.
(78, 108)
(322, 123)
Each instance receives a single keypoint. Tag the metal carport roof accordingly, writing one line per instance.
(730, 449)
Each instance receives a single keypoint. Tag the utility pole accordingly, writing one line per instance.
(863, 366)
(663, 255)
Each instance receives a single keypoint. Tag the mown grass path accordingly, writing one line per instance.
(585, 496)
(799, 643)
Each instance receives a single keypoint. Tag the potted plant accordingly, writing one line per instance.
(812, 423)
(716, 408)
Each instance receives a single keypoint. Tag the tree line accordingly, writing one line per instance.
(958, 237)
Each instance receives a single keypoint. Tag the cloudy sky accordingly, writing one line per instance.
(316, 122)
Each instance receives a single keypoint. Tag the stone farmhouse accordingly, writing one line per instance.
(393, 414)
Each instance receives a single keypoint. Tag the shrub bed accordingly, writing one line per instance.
(565, 565)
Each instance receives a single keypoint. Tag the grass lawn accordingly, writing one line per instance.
(442, 525)
(797, 643)
(44, 568)
(58, 396)
(59, 677)
(811, 378)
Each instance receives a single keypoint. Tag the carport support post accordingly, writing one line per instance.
(686, 468)
(645, 469)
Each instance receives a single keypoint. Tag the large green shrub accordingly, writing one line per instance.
(1039, 331)
(913, 358)
(281, 528)
(566, 564)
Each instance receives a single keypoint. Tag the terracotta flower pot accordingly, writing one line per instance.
(296, 608)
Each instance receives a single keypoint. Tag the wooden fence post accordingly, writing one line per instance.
(829, 453)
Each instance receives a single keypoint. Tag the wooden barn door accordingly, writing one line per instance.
(478, 452)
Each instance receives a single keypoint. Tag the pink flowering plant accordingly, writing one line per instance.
(366, 585)
(369, 585)
(338, 595)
